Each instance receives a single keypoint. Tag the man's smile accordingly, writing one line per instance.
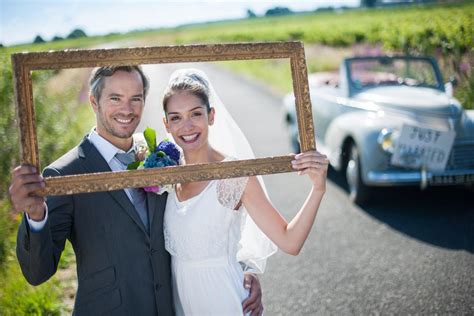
(124, 121)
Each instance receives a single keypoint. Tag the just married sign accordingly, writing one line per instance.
(25, 63)
(419, 147)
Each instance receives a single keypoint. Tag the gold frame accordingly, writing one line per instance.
(24, 63)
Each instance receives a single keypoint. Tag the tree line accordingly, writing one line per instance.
(77, 33)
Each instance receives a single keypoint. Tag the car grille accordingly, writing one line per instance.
(462, 157)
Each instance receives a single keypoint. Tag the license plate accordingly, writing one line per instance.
(419, 147)
(452, 179)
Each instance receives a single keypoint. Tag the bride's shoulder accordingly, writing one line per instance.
(229, 191)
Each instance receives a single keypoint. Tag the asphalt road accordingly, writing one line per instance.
(409, 252)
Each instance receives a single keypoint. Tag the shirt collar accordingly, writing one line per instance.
(105, 148)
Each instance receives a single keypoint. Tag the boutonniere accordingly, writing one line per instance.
(151, 155)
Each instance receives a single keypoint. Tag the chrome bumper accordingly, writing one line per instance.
(421, 177)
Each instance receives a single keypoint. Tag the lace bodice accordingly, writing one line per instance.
(229, 191)
(205, 226)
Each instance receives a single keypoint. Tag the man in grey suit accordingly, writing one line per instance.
(122, 265)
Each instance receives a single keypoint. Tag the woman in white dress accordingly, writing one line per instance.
(206, 223)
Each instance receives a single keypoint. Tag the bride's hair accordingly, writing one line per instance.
(189, 80)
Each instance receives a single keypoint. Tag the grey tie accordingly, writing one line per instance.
(138, 195)
(126, 158)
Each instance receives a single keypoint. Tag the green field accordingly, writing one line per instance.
(416, 29)
(407, 28)
(443, 31)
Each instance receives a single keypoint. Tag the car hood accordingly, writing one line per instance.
(422, 100)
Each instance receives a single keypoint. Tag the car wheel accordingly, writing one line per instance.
(358, 192)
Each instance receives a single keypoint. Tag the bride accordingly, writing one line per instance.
(207, 225)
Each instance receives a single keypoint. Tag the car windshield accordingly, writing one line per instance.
(392, 71)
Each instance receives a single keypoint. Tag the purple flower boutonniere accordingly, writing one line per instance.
(164, 154)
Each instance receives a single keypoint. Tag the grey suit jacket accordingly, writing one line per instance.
(121, 269)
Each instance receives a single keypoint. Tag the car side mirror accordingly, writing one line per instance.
(449, 86)
(453, 80)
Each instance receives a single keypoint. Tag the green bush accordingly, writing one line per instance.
(18, 298)
(9, 152)
(466, 92)
(61, 121)
(7, 227)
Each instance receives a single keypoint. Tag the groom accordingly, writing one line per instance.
(122, 265)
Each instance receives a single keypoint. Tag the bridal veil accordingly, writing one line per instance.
(226, 137)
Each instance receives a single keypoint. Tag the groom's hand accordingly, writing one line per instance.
(26, 180)
(253, 303)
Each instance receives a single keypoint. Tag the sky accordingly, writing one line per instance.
(22, 20)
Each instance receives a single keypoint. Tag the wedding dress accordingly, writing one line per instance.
(202, 235)
(206, 237)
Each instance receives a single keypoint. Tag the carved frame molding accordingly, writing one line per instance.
(24, 63)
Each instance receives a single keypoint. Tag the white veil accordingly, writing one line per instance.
(226, 137)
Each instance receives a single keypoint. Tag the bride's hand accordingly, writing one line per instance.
(315, 165)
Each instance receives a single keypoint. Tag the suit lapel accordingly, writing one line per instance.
(93, 161)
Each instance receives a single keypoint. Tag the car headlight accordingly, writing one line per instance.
(387, 139)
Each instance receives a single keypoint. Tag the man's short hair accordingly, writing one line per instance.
(96, 81)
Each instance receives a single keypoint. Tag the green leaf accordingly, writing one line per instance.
(150, 137)
(134, 165)
(161, 154)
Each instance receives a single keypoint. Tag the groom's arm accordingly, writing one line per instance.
(38, 251)
(253, 303)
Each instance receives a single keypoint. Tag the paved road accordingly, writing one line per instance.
(410, 252)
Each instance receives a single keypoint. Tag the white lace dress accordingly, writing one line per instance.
(202, 235)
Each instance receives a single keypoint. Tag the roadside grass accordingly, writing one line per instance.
(17, 297)
(61, 121)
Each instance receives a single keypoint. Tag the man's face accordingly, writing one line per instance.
(120, 107)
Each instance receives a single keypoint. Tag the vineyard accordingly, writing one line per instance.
(420, 29)
(442, 31)
(446, 32)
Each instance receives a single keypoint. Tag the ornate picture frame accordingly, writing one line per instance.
(24, 63)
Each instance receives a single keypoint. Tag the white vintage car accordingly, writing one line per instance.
(389, 121)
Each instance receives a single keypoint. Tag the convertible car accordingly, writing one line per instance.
(389, 121)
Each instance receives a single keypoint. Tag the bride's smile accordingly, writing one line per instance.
(190, 138)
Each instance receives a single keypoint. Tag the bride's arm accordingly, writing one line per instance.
(291, 236)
